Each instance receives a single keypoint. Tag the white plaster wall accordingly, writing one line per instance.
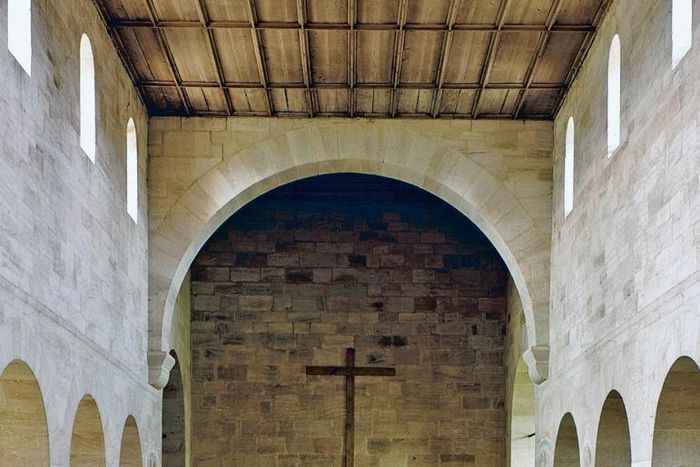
(625, 279)
(73, 265)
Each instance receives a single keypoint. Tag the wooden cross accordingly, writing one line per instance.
(349, 371)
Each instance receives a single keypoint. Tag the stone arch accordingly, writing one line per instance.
(173, 413)
(522, 421)
(566, 450)
(130, 452)
(87, 442)
(520, 236)
(24, 436)
(677, 424)
(613, 440)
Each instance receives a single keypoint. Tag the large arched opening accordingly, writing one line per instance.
(130, 452)
(677, 425)
(613, 441)
(182, 222)
(522, 419)
(87, 442)
(24, 438)
(173, 414)
(566, 450)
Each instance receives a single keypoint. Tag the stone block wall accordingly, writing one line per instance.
(283, 285)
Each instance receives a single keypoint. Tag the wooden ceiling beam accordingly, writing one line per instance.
(407, 86)
(430, 27)
(352, 56)
(581, 55)
(490, 56)
(399, 45)
(305, 56)
(214, 53)
(170, 60)
(444, 56)
(541, 46)
(121, 51)
(259, 57)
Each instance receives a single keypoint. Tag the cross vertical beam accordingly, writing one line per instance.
(349, 371)
(444, 56)
(259, 57)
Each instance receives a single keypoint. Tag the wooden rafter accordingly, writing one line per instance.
(163, 42)
(259, 57)
(399, 45)
(352, 56)
(581, 55)
(121, 51)
(305, 56)
(490, 56)
(213, 53)
(541, 46)
(444, 56)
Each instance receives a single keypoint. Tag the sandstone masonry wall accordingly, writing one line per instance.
(414, 286)
(626, 262)
(73, 264)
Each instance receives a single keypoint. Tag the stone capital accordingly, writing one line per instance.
(537, 360)
(159, 365)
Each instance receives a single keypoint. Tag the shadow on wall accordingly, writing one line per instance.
(24, 438)
(174, 418)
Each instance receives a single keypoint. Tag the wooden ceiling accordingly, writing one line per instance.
(370, 58)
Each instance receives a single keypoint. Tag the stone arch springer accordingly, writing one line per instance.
(510, 221)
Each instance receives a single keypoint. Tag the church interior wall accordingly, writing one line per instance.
(73, 273)
(625, 263)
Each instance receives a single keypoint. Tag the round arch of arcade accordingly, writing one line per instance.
(511, 205)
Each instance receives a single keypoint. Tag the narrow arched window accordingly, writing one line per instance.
(132, 171)
(682, 29)
(87, 98)
(569, 168)
(19, 32)
(614, 75)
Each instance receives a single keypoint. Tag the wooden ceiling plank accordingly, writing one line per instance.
(305, 56)
(162, 41)
(490, 56)
(581, 56)
(259, 57)
(213, 52)
(445, 55)
(121, 49)
(399, 44)
(537, 56)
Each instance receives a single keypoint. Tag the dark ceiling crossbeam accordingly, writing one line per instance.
(433, 27)
(406, 86)
(399, 45)
(444, 56)
(259, 57)
(537, 56)
(214, 53)
(581, 55)
(170, 60)
(305, 56)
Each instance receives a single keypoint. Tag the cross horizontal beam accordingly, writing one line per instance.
(436, 27)
(349, 371)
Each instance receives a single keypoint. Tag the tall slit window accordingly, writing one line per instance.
(87, 98)
(132, 181)
(19, 32)
(569, 168)
(614, 75)
(682, 29)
